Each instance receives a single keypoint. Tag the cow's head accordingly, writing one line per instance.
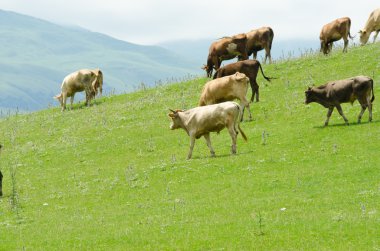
(364, 36)
(309, 95)
(176, 121)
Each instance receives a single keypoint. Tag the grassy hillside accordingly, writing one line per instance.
(114, 177)
(36, 55)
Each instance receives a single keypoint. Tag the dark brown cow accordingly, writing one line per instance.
(258, 40)
(224, 49)
(334, 31)
(250, 68)
(333, 93)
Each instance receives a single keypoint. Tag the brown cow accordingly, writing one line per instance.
(372, 25)
(260, 39)
(224, 49)
(83, 80)
(250, 68)
(200, 121)
(227, 88)
(333, 93)
(334, 31)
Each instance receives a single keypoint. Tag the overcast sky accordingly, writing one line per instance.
(155, 21)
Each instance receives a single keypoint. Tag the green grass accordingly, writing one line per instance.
(114, 177)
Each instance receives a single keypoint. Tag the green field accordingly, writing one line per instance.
(114, 177)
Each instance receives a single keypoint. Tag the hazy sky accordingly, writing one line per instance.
(154, 21)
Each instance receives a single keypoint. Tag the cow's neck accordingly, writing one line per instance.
(184, 122)
(321, 96)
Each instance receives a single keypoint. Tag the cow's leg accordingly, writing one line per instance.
(63, 103)
(329, 112)
(339, 108)
(71, 101)
(192, 141)
(208, 142)
(254, 54)
(255, 89)
(244, 104)
(369, 108)
(345, 44)
(267, 55)
(233, 134)
(361, 113)
(377, 33)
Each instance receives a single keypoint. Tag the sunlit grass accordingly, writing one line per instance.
(113, 176)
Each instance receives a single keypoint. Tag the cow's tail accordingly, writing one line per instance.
(271, 33)
(237, 121)
(262, 72)
(373, 94)
(349, 28)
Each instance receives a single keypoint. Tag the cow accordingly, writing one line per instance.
(86, 80)
(258, 40)
(202, 120)
(334, 31)
(224, 49)
(1, 178)
(372, 25)
(227, 88)
(333, 93)
(250, 68)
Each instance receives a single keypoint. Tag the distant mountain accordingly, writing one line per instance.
(36, 55)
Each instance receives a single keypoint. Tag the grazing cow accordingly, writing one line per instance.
(250, 68)
(260, 39)
(227, 88)
(1, 178)
(334, 31)
(224, 49)
(200, 121)
(86, 80)
(333, 93)
(372, 25)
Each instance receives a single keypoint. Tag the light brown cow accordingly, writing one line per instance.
(83, 80)
(200, 121)
(226, 88)
(334, 31)
(224, 49)
(332, 94)
(260, 39)
(372, 25)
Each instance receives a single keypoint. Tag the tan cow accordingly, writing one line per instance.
(86, 80)
(224, 49)
(334, 31)
(372, 25)
(226, 88)
(333, 93)
(200, 121)
(260, 39)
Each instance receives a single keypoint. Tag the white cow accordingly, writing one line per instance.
(372, 25)
(200, 121)
(86, 80)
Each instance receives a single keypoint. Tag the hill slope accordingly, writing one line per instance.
(36, 55)
(113, 176)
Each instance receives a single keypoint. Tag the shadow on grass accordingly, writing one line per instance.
(217, 156)
(350, 124)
